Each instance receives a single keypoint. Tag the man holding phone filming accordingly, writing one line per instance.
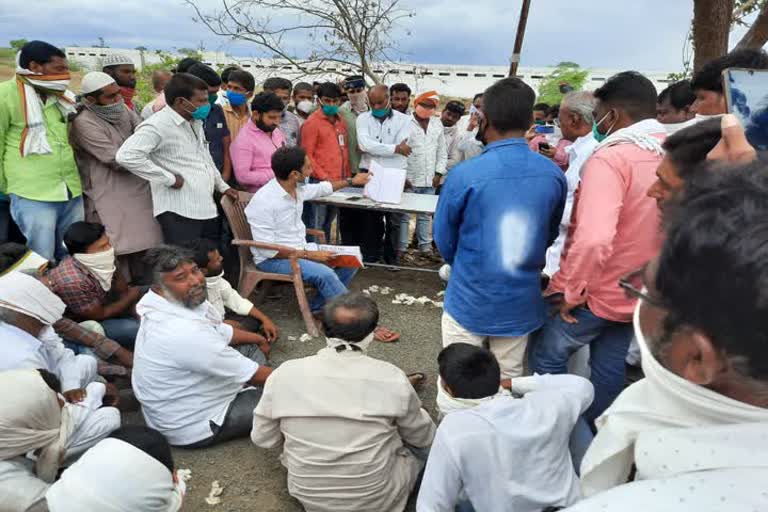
(707, 83)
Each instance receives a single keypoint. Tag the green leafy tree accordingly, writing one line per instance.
(16, 44)
(568, 73)
(144, 89)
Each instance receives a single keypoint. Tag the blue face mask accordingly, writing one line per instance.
(200, 113)
(600, 137)
(236, 98)
(380, 112)
(330, 110)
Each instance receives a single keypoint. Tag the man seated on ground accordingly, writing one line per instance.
(496, 452)
(114, 359)
(353, 425)
(87, 283)
(193, 386)
(707, 82)
(36, 419)
(27, 311)
(684, 151)
(694, 429)
(234, 308)
(274, 214)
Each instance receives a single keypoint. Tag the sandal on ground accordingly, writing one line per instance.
(384, 335)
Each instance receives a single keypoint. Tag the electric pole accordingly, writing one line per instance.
(519, 38)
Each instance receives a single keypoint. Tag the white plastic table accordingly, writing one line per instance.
(353, 198)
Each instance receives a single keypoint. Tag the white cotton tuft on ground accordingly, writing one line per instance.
(216, 490)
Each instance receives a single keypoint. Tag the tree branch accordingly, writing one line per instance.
(757, 35)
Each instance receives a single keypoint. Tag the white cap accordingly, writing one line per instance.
(94, 81)
(116, 59)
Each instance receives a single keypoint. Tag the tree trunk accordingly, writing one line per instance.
(711, 26)
(757, 35)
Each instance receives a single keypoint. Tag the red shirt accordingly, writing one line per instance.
(614, 230)
(325, 141)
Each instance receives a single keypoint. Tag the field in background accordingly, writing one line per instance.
(8, 68)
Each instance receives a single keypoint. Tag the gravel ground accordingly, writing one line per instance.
(254, 479)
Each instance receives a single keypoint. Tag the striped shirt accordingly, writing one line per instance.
(167, 145)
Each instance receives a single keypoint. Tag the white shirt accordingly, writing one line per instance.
(578, 154)
(148, 109)
(712, 468)
(222, 296)
(166, 145)
(451, 142)
(377, 139)
(275, 216)
(509, 453)
(185, 374)
(429, 154)
(19, 349)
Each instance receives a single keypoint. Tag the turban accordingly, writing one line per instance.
(31, 418)
(428, 97)
(27, 295)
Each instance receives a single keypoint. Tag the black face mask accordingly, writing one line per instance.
(263, 127)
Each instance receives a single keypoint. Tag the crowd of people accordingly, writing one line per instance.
(603, 326)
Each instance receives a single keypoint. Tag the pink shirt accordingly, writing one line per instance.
(252, 155)
(561, 157)
(614, 230)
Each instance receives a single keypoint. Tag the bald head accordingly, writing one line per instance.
(350, 317)
(378, 97)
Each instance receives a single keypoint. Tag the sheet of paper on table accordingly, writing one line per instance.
(386, 184)
(346, 256)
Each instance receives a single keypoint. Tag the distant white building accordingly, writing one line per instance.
(448, 79)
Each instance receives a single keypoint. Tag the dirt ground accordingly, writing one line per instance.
(253, 479)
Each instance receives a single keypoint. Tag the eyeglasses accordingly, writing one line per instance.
(625, 283)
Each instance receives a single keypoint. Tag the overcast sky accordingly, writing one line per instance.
(644, 35)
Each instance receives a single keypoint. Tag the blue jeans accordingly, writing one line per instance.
(608, 343)
(44, 223)
(122, 330)
(423, 231)
(329, 282)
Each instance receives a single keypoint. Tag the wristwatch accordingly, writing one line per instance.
(349, 182)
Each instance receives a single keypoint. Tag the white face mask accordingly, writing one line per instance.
(704, 117)
(305, 106)
(101, 265)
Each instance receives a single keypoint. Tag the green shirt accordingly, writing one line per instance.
(36, 177)
(350, 118)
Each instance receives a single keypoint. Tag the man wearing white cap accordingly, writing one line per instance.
(121, 68)
(114, 197)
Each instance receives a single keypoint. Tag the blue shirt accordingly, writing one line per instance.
(496, 216)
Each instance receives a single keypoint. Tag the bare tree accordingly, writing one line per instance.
(757, 35)
(711, 26)
(352, 33)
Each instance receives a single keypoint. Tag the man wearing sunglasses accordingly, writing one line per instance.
(695, 428)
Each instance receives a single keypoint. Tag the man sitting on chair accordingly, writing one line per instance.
(274, 214)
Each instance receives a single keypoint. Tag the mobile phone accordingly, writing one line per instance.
(746, 95)
(544, 145)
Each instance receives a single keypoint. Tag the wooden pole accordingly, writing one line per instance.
(519, 38)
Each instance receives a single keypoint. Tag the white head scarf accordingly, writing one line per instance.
(662, 400)
(101, 265)
(115, 476)
(31, 418)
(27, 295)
(447, 403)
